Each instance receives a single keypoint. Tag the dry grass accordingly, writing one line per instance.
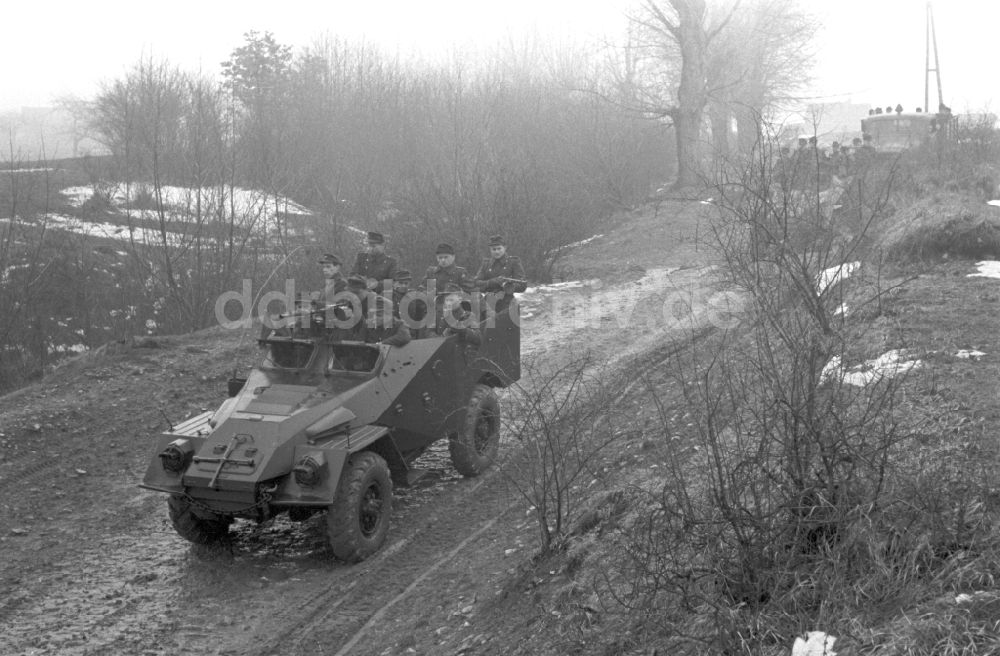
(945, 224)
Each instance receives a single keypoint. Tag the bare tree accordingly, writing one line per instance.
(733, 60)
(674, 39)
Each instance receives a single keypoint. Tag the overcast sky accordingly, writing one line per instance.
(870, 51)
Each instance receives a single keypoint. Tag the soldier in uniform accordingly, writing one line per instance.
(457, 319)
(335, 282)
(350, 315)
(500, 275)
(500, 271)
(373, 264)
(407, 300)
(446, 272)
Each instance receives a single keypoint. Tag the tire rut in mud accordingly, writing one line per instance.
(335, 615)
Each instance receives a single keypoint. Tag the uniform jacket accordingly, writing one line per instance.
(465, 327)
(444, 275)
(375, 265)
(416, 308)
(508, 266)
(334, 286)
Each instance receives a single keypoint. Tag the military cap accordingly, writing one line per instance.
(402, 274)
(356, 281)
(330, 258)
(497, 240)
(445, 249)
(376, 238)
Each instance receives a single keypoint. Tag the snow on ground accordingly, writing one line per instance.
(966, 354)
(994, 203)
(534, 299)
(888, 365)
(110, 230)
(245, 202)
(816, 643)
(5, 171)
(987, 269)
(68, 348)
(829, 277)
(5, 274)
(623, 318)
(575, 244)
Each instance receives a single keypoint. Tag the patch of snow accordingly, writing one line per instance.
(26, 170)
(816, 643)
(71, 348)
(987, 269)
(829, 277)
(249, 207)
(583, 242)
(5, 274)
(559, 286)
(656, 277)
(965, 354)
(114, 231)
(994, 203)
(575, 244)
(887, 365)
(841, 311)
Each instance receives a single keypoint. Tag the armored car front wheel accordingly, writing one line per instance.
(474, 448)
(195, 528)
(358, 520)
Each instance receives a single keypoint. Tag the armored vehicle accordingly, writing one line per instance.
(325, 424)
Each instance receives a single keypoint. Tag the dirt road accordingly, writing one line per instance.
(91, 565)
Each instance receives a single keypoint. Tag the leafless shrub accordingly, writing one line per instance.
(563, 419)
(793, 495)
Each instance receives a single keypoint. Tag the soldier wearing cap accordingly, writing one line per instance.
(373, 264)
(457, 319)
(335, 282)
(350, 312)
(407, 300)
(500, 271)
(446, 272)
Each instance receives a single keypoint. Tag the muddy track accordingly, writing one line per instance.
(101, 571)
(337, 616)
(351, 601)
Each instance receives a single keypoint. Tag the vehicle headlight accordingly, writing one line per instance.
(308, 471)
(176, 456)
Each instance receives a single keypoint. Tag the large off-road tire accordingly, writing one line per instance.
(193, 528)
(474, 448)
(358, 520)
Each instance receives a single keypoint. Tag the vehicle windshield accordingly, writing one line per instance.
(353, 357)
(289, 353)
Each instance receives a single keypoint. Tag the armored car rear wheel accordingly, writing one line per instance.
(474, 448)
(193, 528)
(358, 520)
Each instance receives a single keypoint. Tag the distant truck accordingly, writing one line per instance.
(324, 425)
(895, 132)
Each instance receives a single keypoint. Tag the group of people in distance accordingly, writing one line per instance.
(810, 161)
(377, 301)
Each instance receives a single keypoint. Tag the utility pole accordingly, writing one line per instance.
(931, 43)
